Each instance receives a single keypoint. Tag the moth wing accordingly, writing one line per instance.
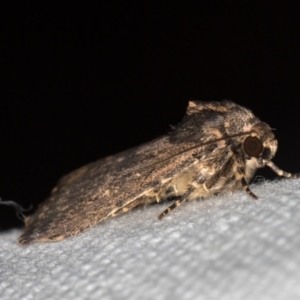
(96, 191)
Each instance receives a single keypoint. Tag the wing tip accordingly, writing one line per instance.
(25, 239)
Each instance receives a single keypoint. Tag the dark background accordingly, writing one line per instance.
(82, 82)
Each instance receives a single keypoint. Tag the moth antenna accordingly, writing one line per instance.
(201, 145)
(18, 208)
(280, 172)
(176, 203)
(247, 189)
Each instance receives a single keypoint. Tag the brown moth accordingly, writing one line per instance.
(216, 148)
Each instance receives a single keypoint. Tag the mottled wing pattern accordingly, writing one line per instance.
(145, 174)
(94, 192)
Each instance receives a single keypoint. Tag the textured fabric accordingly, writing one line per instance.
(229, 247)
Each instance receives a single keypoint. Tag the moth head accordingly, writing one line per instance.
(260, 144)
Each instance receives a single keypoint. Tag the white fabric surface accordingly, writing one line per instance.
(229, 247)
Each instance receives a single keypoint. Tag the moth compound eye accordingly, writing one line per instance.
(253, 146)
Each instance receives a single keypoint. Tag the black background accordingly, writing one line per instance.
(81, 82)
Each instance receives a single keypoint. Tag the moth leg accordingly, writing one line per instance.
(280, 172)
(247, 189)
(176, 203)
(18, 208)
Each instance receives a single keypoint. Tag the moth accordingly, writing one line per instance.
(215, 149)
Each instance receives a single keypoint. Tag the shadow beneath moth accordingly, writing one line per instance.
(216, 148)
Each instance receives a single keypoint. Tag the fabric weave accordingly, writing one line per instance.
(226, 247)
